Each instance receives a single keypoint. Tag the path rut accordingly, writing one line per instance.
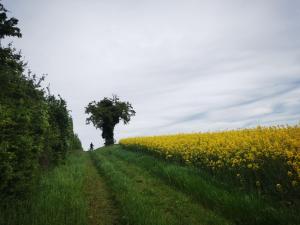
(102, 208)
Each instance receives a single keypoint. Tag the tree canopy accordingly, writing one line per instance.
(108, 112)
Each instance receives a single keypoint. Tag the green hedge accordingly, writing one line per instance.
(36, 129)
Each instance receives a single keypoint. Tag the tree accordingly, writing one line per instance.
(106, 113)
(8, 26)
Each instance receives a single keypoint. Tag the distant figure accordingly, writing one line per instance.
(91, 146)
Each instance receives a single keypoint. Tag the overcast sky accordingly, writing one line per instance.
(186, 66)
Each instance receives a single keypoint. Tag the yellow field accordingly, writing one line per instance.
(267, 158)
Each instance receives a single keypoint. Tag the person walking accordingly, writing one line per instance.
(91, 146)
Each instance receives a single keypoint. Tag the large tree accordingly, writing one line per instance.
(106, 113)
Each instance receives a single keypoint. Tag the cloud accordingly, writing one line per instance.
(186, 66)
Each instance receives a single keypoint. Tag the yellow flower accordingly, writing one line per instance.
(232, 151)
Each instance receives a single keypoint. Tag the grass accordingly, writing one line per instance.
(113, 186)
(70, 194)
(102, 209)
(143, 179)
(57, 200)
(146, 200)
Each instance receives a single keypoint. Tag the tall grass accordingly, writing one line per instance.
(57, 200)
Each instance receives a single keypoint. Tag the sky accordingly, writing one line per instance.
(186, 66)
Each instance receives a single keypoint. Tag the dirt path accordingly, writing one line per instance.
(102, 208)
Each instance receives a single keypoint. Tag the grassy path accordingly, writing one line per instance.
(146, 200)
(102, 209)
(153, 191)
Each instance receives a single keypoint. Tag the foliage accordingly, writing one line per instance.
(60, 136)
(23, 124)
(8, 26)
(108, 112)
(75, 143)
(266, 159)
(34, 127)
